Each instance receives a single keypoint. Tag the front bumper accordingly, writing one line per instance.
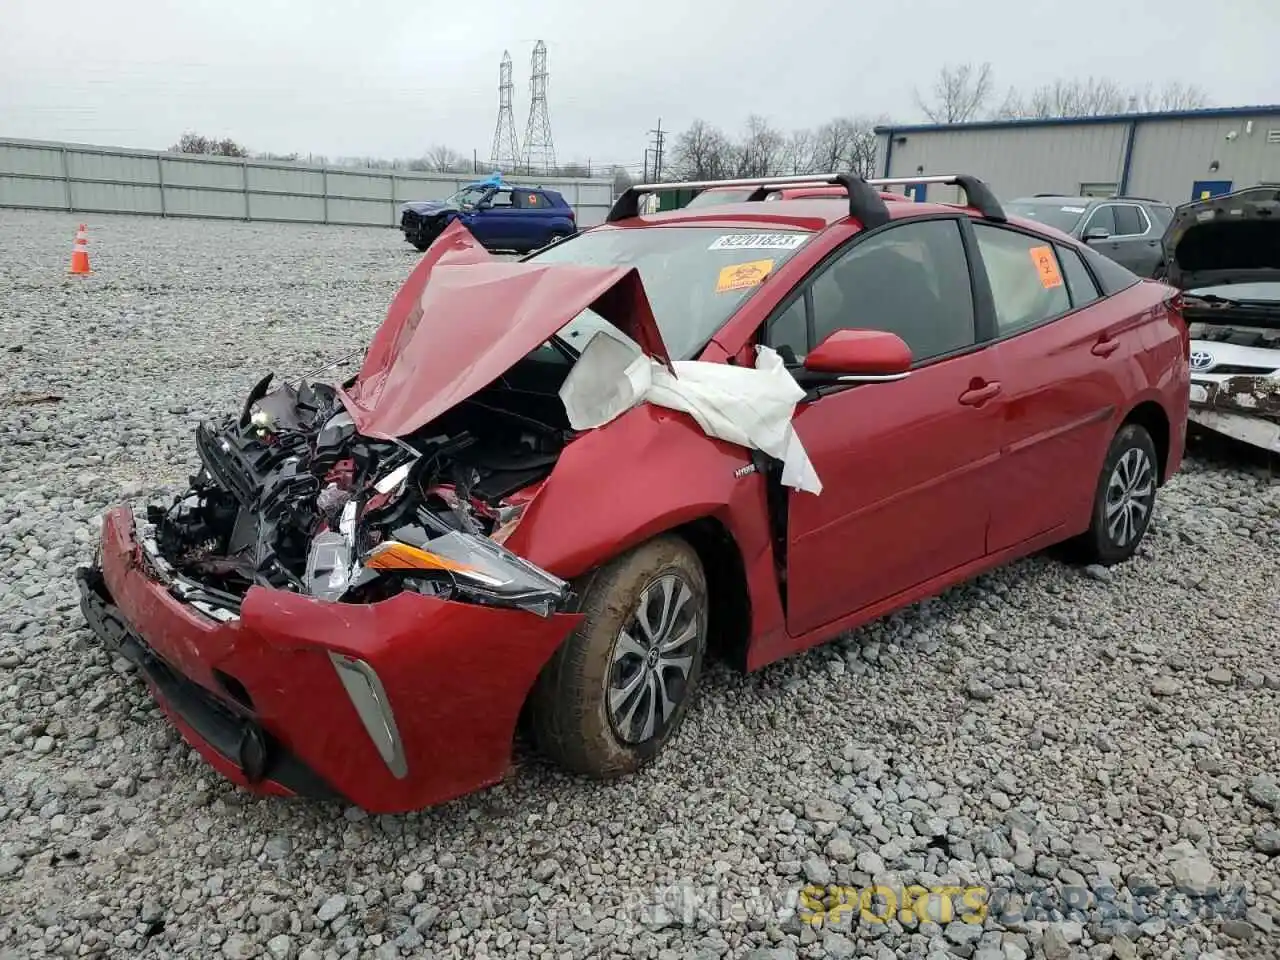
(420, 229)
(1245, 408)
(265, 700)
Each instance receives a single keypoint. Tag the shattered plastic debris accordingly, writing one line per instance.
(751, 407)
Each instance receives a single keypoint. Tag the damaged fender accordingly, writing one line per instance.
(636, 498)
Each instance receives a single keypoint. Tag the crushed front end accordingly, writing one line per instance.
(332, 615)
(421, 224)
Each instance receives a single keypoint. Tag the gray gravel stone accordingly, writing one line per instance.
(1267, 841)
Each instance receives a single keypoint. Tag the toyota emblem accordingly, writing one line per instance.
(1201, 360)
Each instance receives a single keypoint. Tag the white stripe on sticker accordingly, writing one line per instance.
(759, 241)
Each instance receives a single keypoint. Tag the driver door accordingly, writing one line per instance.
(905, 465)
(493, 221)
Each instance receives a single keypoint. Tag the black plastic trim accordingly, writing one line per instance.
(235, 735)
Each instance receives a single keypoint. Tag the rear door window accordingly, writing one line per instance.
(1025, 275)
(1130, 221)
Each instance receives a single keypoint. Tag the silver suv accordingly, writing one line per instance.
(1125, 229)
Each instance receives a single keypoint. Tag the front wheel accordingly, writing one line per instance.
(620, 686)
(1123, 500)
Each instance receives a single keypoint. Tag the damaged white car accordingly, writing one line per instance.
(1225, 254)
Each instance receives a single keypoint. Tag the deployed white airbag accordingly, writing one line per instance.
(749, 406)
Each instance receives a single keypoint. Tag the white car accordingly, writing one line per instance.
(1224, 254)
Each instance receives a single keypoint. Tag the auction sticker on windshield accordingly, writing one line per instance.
(758, 241)
(739, 276)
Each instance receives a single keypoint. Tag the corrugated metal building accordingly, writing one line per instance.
(1174, 157)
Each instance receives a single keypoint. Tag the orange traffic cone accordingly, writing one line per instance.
(80, 252)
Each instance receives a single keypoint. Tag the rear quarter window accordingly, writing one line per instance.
(1111, 277)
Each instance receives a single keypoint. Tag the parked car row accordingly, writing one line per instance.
(736, 429)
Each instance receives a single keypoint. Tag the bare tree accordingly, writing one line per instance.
(701, 153)
(864, 146)
(960, 93)
(796, 155)
(760, 152)
(444, 159)
(845, 144)
(832, 145)
(209, 146)
(1172, 96)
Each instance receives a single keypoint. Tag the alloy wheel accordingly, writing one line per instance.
(1130, 494)
(652, 656)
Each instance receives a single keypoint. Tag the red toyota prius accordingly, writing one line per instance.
(370, 585)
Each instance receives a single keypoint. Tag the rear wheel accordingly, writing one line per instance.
(1123, 500)
(620, 686)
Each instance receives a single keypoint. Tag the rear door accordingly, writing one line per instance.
(906, 466)
(531, 218)
(1063, 350)
(1133, 241)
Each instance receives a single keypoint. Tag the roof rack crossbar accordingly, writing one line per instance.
(976, 193)
(865, 204)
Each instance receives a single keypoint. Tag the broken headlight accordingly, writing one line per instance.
(478, 570)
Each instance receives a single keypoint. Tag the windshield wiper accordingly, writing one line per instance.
(1212, 299)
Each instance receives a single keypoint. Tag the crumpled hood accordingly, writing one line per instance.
(1234, 238)
(463, 318)
(428, 207)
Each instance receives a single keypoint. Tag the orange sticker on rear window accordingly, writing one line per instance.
(1047, 266)
(739, 276)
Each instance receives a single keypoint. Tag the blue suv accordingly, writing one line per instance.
(502, 216)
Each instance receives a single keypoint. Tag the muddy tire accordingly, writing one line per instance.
(1123, 500)
(620, 685)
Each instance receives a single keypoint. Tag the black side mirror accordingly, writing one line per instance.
(1096, 233)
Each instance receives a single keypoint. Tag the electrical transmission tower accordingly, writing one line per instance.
(539, 150)
(506, 151)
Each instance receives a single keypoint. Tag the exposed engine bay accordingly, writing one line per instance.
(291, 496)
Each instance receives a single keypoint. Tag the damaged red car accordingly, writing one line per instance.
(556, 486)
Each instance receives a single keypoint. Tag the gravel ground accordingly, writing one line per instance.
(1100, 749)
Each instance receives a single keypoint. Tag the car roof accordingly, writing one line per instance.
(1085, 201)
(808, 213)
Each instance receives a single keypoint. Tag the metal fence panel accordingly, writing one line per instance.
(186, 202)
(285, 206)
(359, 186)
(41, 162)
(103, 166)
(115, 197)
(73, 176)
(279, 180)
(370, 213)
(30, 192)
(420, 188)
(204, 174)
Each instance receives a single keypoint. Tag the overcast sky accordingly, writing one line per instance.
(392, 77)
